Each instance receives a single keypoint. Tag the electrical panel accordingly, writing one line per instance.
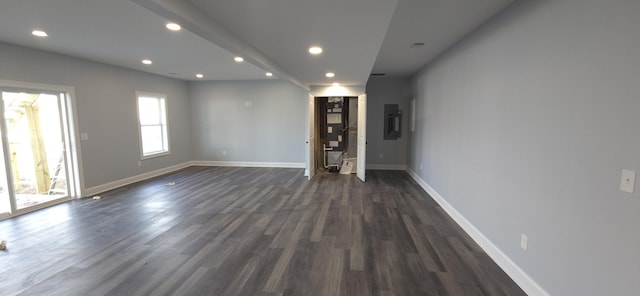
(392, 122)
(335, 124)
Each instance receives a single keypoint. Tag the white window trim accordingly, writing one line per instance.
(166, 111)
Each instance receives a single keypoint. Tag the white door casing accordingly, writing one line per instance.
(311, 163)
(362, 136)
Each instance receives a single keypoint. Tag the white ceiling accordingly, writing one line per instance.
(437, 23)
(350, 33)
(358, 36)
(118, 32)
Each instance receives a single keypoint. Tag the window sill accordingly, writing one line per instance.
(155, 155)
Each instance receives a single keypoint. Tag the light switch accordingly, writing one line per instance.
(628, 181)
(84, 136)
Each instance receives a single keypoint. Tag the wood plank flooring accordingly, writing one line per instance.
(248, 231)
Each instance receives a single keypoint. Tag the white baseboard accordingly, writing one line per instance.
(297, 165)
(126, 181)
(510, 268)
(386, 167)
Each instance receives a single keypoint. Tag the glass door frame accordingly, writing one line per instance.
(69, 133)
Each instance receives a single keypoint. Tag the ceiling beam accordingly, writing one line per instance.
(194, 20)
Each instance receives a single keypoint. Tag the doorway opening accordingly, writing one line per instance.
(314, 131)
(36, 149)
(336, 134)
(322, 115)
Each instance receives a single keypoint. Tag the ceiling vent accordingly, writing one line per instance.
(378, 74)
(416, 45)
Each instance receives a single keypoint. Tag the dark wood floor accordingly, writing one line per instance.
(248, 231)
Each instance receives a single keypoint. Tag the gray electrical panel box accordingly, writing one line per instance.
(392, 122)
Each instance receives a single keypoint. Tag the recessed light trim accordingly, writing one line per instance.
(147, 62)
(315, 50)
(173, 27)
(238, 59)
(39, 33)
(330, 74)
(269, 74)
(199, 75)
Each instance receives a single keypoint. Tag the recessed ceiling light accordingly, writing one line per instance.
(416, 45)
(39, 33)
(269, 74)
(315, 50)
(238, 59)
(330, 74)
(173, 27)
(199, 75)
(147, 62)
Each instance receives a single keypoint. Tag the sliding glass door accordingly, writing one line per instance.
(5, 198)
(34, 148)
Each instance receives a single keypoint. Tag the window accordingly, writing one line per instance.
(152, 117)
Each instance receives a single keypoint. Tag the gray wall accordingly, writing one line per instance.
(106, 109)
(525, 127)
(252, 121)
(381, 91)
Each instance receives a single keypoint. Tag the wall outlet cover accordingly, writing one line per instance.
(524, 242)
(628, 181)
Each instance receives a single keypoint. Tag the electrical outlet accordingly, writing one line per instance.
(524, 242)
(421, 166)
(224, 152)
(139, 162)
(627, 181)
(381, 155)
